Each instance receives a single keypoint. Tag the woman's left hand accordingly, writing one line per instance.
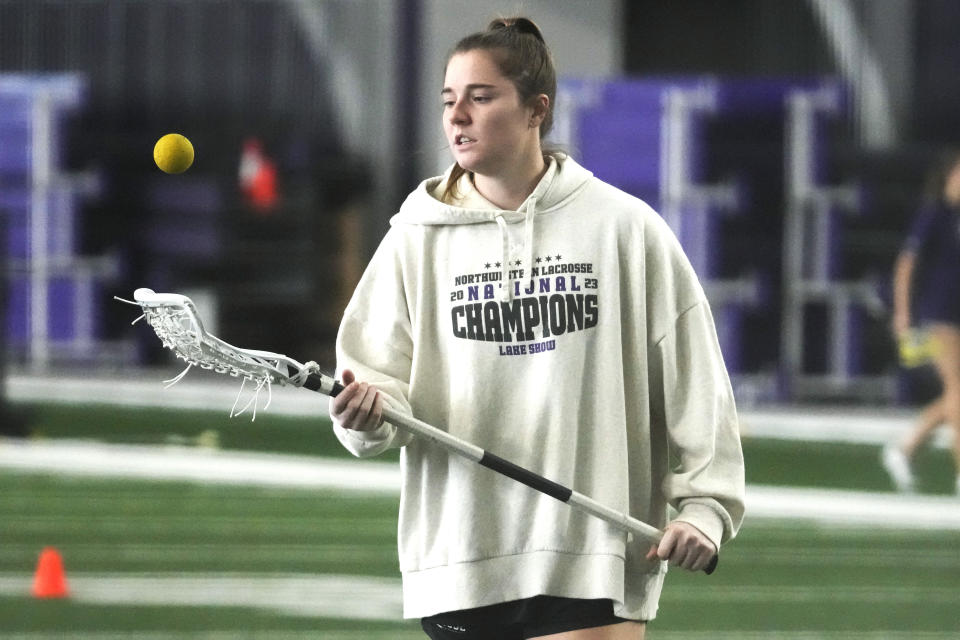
(685, 546)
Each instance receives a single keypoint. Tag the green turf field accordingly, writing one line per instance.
(131, 425)
(179, 560)
(775, 577)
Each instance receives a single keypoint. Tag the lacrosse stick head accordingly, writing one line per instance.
(175, 320)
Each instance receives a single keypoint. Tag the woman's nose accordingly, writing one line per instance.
(457, 113)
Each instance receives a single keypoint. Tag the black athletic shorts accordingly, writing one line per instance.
(521, 619)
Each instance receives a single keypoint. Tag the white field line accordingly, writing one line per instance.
(275, 470)
(205, 390)
(199, 390)
(315, 595)
(169, 462)
(377, 598)
(832, 424)
(833, 507)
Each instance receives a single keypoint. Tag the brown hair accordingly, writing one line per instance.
(521, 54)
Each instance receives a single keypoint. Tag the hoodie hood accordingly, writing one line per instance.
(562, 182)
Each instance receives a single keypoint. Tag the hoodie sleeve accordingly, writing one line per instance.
(705, 480)
(374, 341)
(691, 400)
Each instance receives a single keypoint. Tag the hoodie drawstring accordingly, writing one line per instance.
(506, 293)
(528, 223)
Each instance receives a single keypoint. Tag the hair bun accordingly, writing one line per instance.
(520, 24)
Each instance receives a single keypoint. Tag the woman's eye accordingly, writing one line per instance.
(481, 98)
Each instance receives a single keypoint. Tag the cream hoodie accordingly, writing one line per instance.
(602, 373)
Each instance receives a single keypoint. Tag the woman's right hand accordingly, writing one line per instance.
(359, 406)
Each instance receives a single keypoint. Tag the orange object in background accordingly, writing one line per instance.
(50, 580)
(258, 177)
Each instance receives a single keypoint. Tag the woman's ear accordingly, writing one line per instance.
(540, 107)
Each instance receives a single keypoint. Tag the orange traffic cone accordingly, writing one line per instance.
(50, 581)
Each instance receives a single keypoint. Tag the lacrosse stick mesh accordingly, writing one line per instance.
(179, 328)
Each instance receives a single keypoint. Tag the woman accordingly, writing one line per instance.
(533, 310)
(926, 293)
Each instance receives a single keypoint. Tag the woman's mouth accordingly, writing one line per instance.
(461, 139)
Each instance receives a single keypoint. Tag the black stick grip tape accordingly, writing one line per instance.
(710, 568)
(529, 478)
(314, 382)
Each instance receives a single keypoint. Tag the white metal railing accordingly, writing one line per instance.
(860, 66)
(808, 273)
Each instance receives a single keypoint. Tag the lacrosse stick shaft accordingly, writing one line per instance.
(472, 452)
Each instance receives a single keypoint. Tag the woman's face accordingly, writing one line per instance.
(488, 129)
(951, 190)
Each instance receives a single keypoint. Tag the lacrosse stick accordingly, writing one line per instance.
(176, 322)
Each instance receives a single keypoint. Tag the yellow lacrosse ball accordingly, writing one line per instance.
(173, 153)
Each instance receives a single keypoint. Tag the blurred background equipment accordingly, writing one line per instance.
(86, 87)
(54, 286)
(258, 178)
(11, 424)
(787, 160)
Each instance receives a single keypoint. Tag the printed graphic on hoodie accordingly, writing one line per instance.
(559, 297)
